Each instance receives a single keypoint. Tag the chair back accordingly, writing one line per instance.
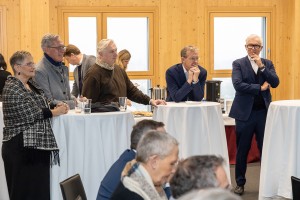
(72, 188)
(295, 187)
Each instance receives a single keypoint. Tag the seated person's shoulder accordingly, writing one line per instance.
(174, 68)
(123, 193)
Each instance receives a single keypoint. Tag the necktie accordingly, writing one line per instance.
(80, 79)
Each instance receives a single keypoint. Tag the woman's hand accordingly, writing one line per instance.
(60, 109)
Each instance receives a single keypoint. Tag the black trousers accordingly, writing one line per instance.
(244, 134)
(27, 171)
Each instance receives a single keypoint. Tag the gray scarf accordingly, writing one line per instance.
(140, 182)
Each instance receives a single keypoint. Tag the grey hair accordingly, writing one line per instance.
(195, 172)
(141, 128)
(155, 143)
(254, 36)
(191, 48)
(103, 44)
(17, 58)
(48, 40)
(210, 194)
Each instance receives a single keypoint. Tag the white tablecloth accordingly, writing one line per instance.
(89, 145)
(3, 185)
(281, 150)
(101, 138)
(198, 127)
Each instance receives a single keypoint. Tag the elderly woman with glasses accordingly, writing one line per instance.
(29, 146)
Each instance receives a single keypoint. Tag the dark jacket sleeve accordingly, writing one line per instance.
(123, 193)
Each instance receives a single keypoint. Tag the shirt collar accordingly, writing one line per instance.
(184, 70)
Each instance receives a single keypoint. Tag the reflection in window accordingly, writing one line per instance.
(229, 38)
(131, 33)
(143, 85)
(83, 34)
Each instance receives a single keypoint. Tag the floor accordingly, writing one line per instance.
(252, 185)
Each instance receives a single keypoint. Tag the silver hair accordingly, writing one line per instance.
(155, 143)
(195, 172)
(210, 194)
(103, 44)
(17, 58)
(183, 52)
(254, 36)
(48, 40)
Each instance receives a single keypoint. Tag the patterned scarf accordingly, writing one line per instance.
(105, 65)
(139, 181)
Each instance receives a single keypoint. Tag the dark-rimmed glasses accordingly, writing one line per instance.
(253, 46)
(59, 48)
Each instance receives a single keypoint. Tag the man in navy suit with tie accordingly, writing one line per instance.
(113, 176)
(252, 77)
(186, 80)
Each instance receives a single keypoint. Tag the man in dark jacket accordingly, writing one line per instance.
(252, 77)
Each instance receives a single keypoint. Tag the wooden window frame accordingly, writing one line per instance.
(267, 12)
(102, 13)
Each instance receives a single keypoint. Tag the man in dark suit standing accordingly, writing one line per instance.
(252, 77)
(186, 80)
(83, 63)
(113, 176)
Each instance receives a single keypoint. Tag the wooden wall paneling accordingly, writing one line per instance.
(295, 48)
(3, 29)
(175, 24)
(282, 62)
(34, 23)
(12, 28)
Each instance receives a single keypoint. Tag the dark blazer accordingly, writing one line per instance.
(243, 79)
(113, 176)
(179, 89)
(3, 77)
(87, 62)
(123, 193)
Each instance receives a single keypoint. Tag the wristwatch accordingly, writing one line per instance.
(194, 82)
(262, 68)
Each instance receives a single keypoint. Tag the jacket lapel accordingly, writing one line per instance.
(249, 70)
(180, 71)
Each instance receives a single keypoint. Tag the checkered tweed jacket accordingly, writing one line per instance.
(23, 113)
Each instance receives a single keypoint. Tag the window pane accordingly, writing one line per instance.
(227, 89)
(131, 33)
(144, 86)
(83, 34)
(229, 38)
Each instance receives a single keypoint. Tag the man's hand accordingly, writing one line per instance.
(157, 102)
(257, 60)
(196, 73)
(265, 86)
